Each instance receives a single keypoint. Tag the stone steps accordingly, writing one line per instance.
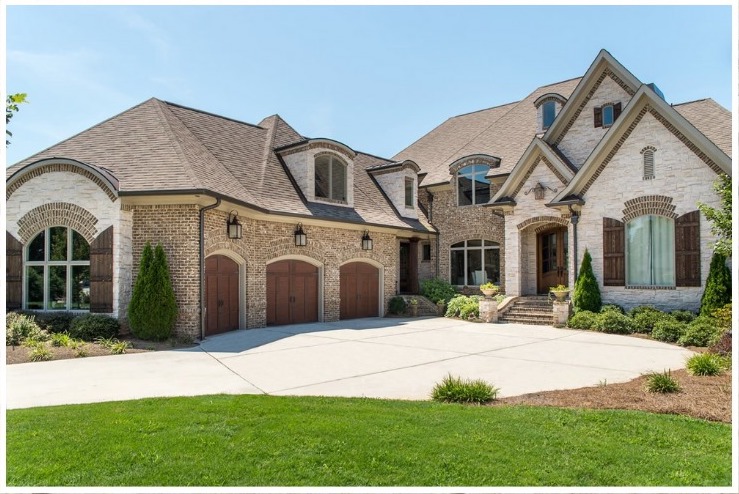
(535, 310)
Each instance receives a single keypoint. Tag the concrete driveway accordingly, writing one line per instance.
(379, 358)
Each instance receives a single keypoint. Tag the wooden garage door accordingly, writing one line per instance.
(360, 284)
(221, 295)
(292, 292)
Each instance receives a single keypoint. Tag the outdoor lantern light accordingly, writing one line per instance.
(233, 227)
(300, 237)
(366, 241)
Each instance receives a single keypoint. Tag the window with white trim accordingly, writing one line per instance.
(330, 178)
(57, 270)
(474, 262)
(548, 112)
(472, 185)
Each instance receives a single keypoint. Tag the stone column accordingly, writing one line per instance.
(489, 309)
(560, 313)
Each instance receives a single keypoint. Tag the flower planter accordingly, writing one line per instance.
(489, 292)
(561, 296)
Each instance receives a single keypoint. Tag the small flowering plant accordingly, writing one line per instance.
(559, 288)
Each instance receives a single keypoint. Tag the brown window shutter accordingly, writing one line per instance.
(13, 273)
(598, 117)
(614, 260)
(616, 111)
(688, 250)
(101, 272)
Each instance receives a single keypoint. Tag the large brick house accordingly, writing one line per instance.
(264, 226)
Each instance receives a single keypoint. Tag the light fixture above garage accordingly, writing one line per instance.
(233, 227)
(366, 241)
(300, 237)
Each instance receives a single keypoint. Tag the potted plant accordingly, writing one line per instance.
(413, 306)
(560, 292)
(489, 289)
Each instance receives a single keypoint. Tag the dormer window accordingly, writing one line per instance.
(409, 183)
(330, 178)
(472, 186)
(604, 116)
(548, 112)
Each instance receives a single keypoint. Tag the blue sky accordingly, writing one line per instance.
(375, 78)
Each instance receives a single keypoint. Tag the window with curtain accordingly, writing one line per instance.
(650, 251)
(474, 262)
(330, 178)
(57, 273)
(472, 186)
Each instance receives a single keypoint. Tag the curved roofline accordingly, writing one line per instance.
(470, 157)
(317, 141)
(105, 176)
(538, 101)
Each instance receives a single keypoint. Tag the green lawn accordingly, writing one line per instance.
(286, 441)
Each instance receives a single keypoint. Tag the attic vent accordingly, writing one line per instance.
(648, 153)
(656, 90)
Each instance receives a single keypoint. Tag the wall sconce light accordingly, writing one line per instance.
(233, 227)
(366, 241)
(300, 237)
(539, 189)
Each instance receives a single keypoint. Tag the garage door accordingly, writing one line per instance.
(221, 295)
(292, 292)
(360, 284)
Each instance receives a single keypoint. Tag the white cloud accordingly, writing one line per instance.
(152, 33)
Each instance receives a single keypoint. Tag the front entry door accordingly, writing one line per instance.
(221, 295)
(552, 259)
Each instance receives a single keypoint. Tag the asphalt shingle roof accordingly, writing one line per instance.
(712, 119)
(159, 147)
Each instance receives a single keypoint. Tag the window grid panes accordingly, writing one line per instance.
(650, 251)
(57, 274)
(330, 178)
(607, 115)
(472, 186)
(474, 262)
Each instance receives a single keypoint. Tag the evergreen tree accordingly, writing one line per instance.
(718, 285)
(587, 293)
(153, 309)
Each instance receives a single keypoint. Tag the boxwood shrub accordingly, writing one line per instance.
(612, 321)
(613, 307)
(583, 319)
(683, 315)
(437, 290)
(645, 320)
(668, 329)
(88, 327)
(397, 305)
(701, 332)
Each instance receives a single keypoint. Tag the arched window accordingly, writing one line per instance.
(548, 112)
(57, 273)
(472, 186)
(650, 251)
(474, 262)
(330, 178)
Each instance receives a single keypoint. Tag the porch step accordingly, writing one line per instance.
(528, 310)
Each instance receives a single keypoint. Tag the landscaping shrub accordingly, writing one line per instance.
(39, 353)
(88, 327)
(397, 305)
(587, 294)
(463, 306)
(152, 312)
(723, 316)
(683, 315)
(455, 390)
(19, 327)
(662, 383)
(437, 289)
(583, 319)
(668, 329)
(54, 322)
(643, 308)
(645, 320)
(700, 332)
(704, 364)
(613, 322)
(613, 307)
(718, 286)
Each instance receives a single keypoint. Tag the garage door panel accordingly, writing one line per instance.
(359, 290)
(292, 292)
(221, 294)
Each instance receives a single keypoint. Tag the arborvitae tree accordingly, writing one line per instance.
(153, 309)
(587, 293)
(718, 285)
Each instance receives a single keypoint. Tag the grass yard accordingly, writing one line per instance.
(257, 440)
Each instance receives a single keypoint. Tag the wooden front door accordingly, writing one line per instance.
(221, 295)
(292, 293)
(551, 259)
(360, 284)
